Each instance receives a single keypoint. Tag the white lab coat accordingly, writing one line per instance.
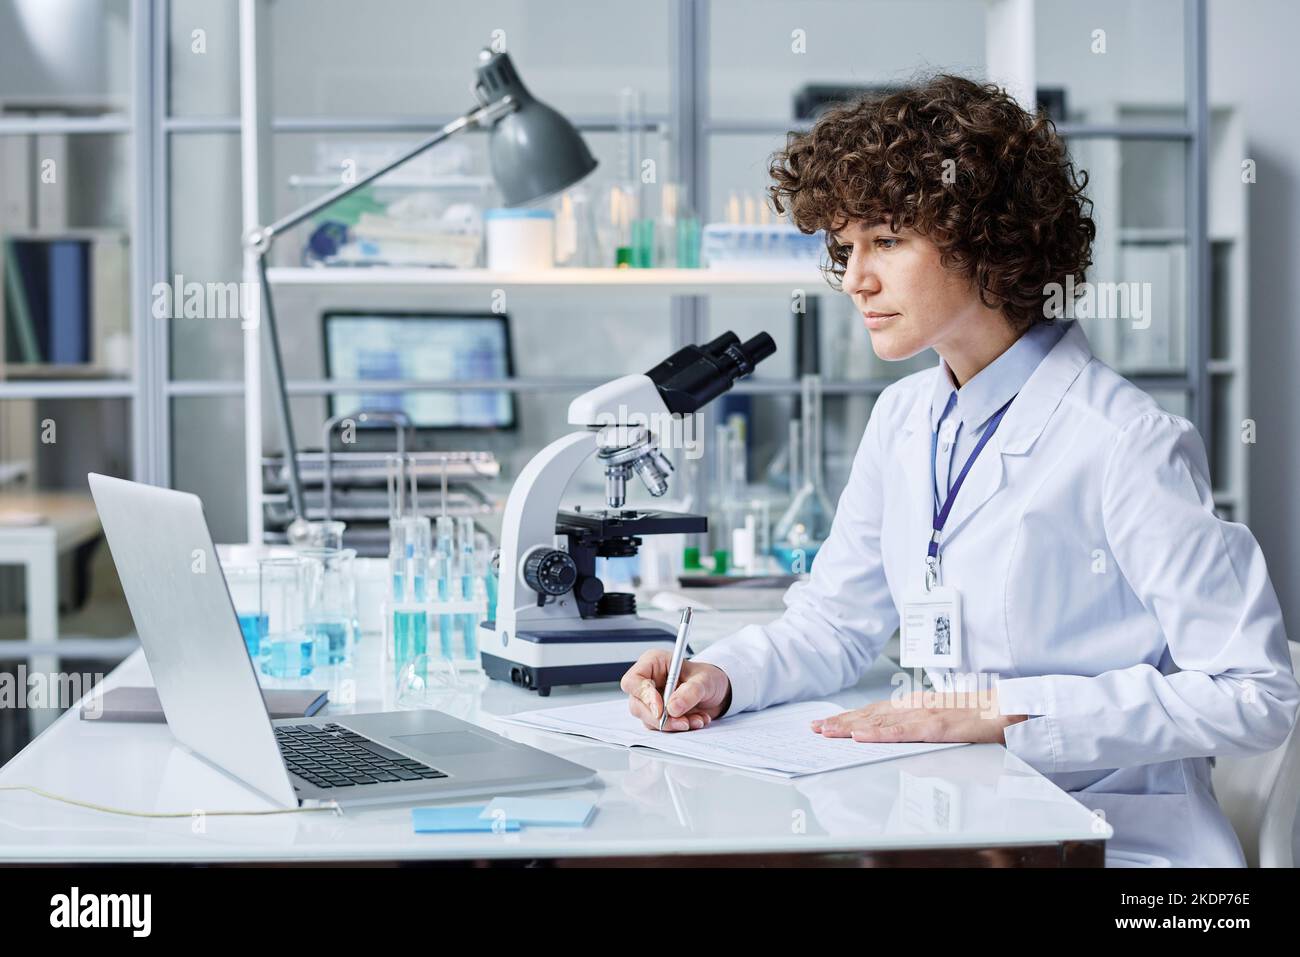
(1099, 593)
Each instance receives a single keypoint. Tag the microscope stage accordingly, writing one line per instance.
(626, 522)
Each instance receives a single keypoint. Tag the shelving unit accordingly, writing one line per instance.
(1228, 366)
(137, 120)
(49, 125)
(1010, 60)
(1215, 379)
(671, 282)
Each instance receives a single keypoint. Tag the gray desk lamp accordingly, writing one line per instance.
(534, 152)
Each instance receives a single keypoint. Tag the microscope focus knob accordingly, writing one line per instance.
(550, 571)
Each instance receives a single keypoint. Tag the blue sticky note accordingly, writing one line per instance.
(546, 812)
(447, 820)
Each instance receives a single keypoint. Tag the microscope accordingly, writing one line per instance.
(555, 622)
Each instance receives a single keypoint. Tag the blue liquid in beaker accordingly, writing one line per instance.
(333, 638)
(253, 625)
(288, 655)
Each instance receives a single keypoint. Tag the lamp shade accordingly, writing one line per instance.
(533, 150)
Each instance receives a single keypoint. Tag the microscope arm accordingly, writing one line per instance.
(529, 519)
(623, 417)
(534, 501)
(629, 400)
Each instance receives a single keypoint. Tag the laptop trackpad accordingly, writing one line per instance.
(447, 742)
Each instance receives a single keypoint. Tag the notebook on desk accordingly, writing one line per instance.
(777, 741)
(142, 704)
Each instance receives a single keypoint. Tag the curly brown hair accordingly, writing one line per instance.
(1012, 215)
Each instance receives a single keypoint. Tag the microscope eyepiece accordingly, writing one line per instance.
(696, 375)
(746, 355)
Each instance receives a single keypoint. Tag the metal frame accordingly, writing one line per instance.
(1131, 131)
(113, 123)
(255, 153)
(692, 125)
(591, 123)
(152, 389)
(151, 419)
(688, 97)
(1198, 251)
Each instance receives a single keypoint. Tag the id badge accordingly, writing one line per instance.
(930, 636)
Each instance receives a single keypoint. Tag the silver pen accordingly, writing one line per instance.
(675, 667)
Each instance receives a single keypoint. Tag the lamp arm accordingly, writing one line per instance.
(259, 241)
(285, 421)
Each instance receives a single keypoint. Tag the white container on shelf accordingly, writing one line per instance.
(519, 240)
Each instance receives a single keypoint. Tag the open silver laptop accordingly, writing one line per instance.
(210, 695)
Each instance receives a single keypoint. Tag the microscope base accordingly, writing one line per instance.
(557, 658)
(543, 679)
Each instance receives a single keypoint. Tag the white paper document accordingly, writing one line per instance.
(775, 741)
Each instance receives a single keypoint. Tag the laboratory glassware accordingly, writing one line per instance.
(806, 523)
(287, 650)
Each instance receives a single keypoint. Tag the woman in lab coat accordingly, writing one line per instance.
(1122, 633)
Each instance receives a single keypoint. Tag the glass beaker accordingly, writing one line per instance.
(688, 242)
(806, 523)
(325, 534)
(751, 537)
(331, 603)
(730, 483)
(588, 252)
(287, 651)
(243, 581)
(421, 680)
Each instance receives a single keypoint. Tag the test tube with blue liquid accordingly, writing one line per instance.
(445, 563)
(410, 536)
(465, 549)
(492, 585)
(410, 619)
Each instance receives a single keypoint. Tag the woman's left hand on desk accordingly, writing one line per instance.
(929, 716)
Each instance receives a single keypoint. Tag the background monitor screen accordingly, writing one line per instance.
(422, 346)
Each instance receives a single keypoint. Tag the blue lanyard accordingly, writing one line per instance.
(941, 514)
(933, 474)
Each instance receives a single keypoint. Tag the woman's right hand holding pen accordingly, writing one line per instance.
(703, 692)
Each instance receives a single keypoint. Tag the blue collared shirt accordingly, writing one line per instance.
(986, 392)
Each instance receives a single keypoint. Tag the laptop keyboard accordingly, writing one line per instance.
(331, 756)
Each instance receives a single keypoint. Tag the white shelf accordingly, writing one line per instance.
(681, 282)
(1162, 234)
(396, 181)
(1151, 234)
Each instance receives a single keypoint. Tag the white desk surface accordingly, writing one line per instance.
(647, 803)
